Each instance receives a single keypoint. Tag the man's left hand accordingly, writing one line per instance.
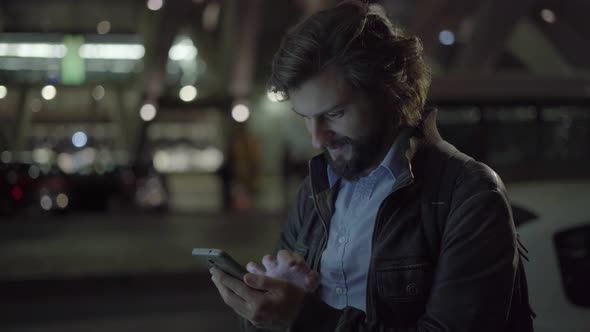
(268, 303)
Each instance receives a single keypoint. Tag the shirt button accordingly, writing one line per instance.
(342, 239)
(340, 290)
(412, 289)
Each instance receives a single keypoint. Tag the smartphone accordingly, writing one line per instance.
(221, 260)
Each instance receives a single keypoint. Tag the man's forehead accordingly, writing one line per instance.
(319, 94)
(320, 111)
(311, 108)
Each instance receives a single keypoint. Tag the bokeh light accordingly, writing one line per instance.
(155, 4)
(103, 27)
(6, 157)
(79, 139)
(46, 203)
(446, 37)
(98, 92)
(147, 112)
(34, 171)
(42, 155)
(184, 49)
(17, 193)
(48, 92)
(112, 51)
(188, 93)
(65, 162)
(32, 50)
(548, 15)
(62, 200)
(240, 113)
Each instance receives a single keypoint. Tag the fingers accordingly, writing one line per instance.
(236, 286)
(269, 262)
(313, 275)
(274, 309)
(279, 304)
(299, 268)
(255, 268)
(283, 257)
(298, 258)
(288, 258)
(312, 281)
(230, 298)
(263, 283)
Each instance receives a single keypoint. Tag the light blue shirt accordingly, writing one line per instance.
(345, 261)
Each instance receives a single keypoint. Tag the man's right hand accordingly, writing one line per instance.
(288, 266)
(268, 303)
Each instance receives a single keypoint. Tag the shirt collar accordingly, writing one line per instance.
(392, 160)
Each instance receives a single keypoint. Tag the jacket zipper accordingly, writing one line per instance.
(318, 254)
(407, 181)
(325, 237)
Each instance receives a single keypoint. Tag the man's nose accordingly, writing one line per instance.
(320, 133)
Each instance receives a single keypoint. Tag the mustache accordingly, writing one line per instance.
(338, 141)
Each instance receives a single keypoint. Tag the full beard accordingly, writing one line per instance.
(365, 152)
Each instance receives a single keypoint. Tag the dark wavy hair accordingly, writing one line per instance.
(363, 45)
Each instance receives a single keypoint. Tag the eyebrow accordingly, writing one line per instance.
(331, 109)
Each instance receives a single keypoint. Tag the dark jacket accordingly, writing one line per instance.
(467, 277)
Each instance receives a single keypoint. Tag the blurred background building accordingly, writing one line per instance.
(133, 130)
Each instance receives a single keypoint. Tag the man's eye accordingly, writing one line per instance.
(335, 114)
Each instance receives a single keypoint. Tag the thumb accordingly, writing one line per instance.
(255, 268)
(262, 282)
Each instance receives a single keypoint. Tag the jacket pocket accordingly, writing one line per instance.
(403, 290)
(406, 282)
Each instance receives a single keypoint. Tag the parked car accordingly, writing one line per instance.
(557, 236)
(26, 190)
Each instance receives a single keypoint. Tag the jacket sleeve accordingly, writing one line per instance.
(475, 273)
(478, 259)
(295, 217)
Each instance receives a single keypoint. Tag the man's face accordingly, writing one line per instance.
(343, 123)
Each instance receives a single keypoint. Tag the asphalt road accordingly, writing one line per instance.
(121, 272)
(170, 303)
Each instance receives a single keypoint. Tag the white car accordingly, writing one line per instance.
(558, 241)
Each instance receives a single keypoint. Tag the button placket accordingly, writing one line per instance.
(341, 290)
